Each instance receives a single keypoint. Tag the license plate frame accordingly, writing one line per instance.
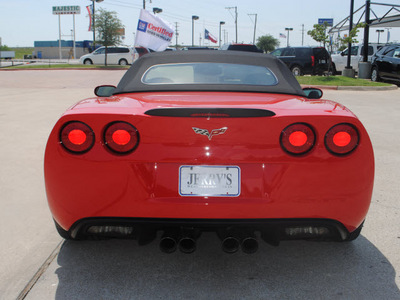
(209, 181)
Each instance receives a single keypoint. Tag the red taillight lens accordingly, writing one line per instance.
(77, 137)
(121, 137)
(312, 60)
(297, 138)
(342, 139)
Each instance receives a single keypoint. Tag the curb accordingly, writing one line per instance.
(353, 88)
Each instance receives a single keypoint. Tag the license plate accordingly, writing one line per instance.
(213, 181)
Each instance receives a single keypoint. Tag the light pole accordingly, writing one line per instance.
(220, 24)
(288, 30)
(379, 33)
(193, 19)
(93, 23)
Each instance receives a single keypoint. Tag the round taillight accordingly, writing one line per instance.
(121, 137)
(298, 138)
(342, 139)
(77, 137)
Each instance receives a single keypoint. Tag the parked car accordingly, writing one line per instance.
(142, 50)
(115, 56)
(209, 141)
(198, 48)
(304, 60)
(241, 47)
(339, 61)
(386, 64)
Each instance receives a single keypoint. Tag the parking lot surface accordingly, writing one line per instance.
(35, 263)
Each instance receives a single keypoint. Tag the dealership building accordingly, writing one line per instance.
(50, 49)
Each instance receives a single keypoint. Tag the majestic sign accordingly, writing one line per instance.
(66, 10)
(153, 32)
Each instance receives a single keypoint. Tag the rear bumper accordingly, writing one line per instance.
(271, 230)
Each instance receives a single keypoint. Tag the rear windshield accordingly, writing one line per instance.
(209, 73)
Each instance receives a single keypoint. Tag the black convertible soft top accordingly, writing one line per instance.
(132, 80)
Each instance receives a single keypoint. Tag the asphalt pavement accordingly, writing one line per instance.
(35, 263)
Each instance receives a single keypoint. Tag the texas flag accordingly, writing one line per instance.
(209, 36)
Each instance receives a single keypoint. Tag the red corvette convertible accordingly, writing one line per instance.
(221, 141)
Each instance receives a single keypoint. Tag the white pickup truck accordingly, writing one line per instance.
(339, 61)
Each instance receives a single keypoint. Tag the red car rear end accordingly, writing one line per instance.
(241, 164)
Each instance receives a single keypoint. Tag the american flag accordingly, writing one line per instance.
(281, 35)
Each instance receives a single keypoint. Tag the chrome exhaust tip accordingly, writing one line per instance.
(230, 244)
(168, 244)
(249, 245)
(187, 245)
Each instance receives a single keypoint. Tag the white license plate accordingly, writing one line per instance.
(213, 181)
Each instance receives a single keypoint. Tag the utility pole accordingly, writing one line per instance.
(302, 34)
(176, 35)
(236, 17)
(255, 25)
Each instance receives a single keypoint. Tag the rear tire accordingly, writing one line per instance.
(296, 71)
(88, 62)
(355, 234)
(375, 74)
(63, 233)
(123, 62)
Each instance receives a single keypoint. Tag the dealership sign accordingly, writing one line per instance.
(67, 10)
(328, 21)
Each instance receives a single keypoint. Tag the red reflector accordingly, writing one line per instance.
(77, 137)
(298, 138)
(341, 139)
(121, 137)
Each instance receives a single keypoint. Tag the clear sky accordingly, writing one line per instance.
(24, 21)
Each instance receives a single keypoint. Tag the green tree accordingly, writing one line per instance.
(267, 43)
(108, 28)
(319, 33)
(352, 37)
(5, 48)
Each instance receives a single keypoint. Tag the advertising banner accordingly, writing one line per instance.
(153, 32)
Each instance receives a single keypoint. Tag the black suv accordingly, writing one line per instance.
(386, 64)
(241, 47)
(305, 60)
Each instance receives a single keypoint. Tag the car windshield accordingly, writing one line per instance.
(209, 73)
